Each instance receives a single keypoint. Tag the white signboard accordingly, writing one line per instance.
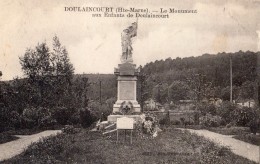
(125, 123)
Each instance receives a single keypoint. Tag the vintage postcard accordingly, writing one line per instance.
(109, 81)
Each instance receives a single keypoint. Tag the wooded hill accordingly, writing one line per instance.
(208, 74)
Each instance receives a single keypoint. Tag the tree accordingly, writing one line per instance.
(200, 86)
(37, 67)
(248, 89)
(49, 73)
(178, 90)
(160, 93)
(61, 64)
(143, 93)
(63, 71)
(80, 89)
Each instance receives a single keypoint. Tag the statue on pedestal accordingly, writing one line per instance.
(127, 76)
(126, 43)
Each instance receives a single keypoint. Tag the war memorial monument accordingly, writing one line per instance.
(127, 73)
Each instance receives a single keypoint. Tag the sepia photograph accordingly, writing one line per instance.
(115, 82)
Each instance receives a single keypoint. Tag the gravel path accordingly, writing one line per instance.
(238, 147)
(13, 148)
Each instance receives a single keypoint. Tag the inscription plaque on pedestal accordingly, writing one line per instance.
(126, 90)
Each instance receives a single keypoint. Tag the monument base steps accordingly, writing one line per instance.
(113, 118)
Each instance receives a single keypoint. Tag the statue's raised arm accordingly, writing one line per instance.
(126, 43)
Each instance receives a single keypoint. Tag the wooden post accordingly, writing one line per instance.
(231, 84)
(100, 98)
(117, 136)
(131, 137)
(125, 135)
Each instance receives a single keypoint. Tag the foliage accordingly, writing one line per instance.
(69, 129)
(50, 83)
(15, 119)
(225, 111)
(173, 146)
(175, 122)
(87, 117)
(208, 108)
(62, 114)
(254, 125)
(160, 92)
(30, 117)
(166, 119)
(210, 121)
(207, 75)
(49, 73)
(80, 89)
(178, 90)
(4, 119)
(47, 122)
(74, 119)
(243, 116)
(143, 93)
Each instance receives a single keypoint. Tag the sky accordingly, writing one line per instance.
(94, 44)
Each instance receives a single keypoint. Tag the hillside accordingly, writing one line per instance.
(213, 71)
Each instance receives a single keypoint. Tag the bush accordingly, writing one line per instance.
(225, 111)
(254, 125)
(182, 120)
(69, 129)
(206, 108)
(47, 122)
(75, 118)
(175, 122)
(210, 121)
(8, 119)
(15, 119)
(189, 122)
(63, 114)
(87, 117)
(166, 120)
(30, 113)
(39, 117)
(29, 117)
(244, 116)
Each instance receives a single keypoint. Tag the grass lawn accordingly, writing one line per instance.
(171, 146)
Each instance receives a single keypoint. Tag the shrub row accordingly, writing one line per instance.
(44, 118)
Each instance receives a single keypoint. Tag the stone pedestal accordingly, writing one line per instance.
(126, 103)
